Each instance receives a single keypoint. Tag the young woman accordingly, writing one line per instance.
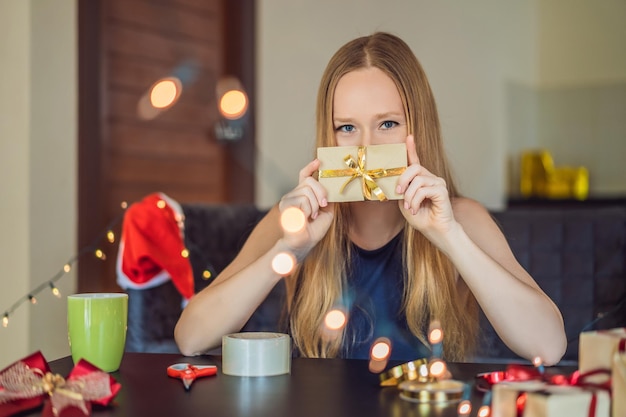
(393, 265)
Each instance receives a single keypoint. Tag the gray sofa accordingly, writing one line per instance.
(578, 256)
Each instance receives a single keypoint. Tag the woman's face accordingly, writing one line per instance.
(367, 110)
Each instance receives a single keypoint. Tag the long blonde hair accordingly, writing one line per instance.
(430, 281)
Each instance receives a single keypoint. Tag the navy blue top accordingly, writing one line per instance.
(374, 301)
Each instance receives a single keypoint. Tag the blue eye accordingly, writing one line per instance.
(388, 124)
(346, 128)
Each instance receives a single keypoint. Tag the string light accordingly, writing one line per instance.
(55, 290)
(206, 274)
(184, 253)
(485, 409)
(437, 368)
(538, 362)
(465, 408)
(65, 269)
(379, 354)
(435, 338)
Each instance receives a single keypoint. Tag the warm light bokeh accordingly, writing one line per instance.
(233, 104)
(484, 411)
(381, 349)
(164, 93)
(435, 334)
(437, 368)
(465, 408)
(292, 220)
(335, 319)
(283, 263)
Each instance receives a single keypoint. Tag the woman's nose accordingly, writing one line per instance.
(366, 138)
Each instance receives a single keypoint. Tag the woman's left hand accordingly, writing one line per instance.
(426, 204)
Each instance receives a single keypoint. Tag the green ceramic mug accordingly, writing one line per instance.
(96, 324)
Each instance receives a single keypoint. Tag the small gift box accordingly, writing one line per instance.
(567, 401)
(618, 384)
(604, 351)
(357, 173)
(508, 397)
(597, 348)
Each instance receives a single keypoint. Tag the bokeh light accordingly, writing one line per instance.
(379, 355)
(164, 93)
(161, 95)
(465, 408)
(435, 333)
(283, 263)
(484, 411)
(335, 319)
(381, 349)
(437, 368)
(292, 220)
(233, 104)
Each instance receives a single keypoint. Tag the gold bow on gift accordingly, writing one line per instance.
(368, 176)
(20, 381)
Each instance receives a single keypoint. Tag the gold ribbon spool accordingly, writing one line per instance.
(368, 176)
(409, 371)
(444, 391)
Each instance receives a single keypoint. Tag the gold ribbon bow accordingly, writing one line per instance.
(368, 176)
(22, 382)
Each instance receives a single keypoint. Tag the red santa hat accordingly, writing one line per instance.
(152, 249)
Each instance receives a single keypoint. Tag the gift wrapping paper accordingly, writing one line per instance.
(596, 348)
(570, 401)
(618, 384)
(357, 173)
(509, 395)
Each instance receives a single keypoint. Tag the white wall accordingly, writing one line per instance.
(14, 173)
(38, 170)
(471, 52)
(582, 96)
(493, 67)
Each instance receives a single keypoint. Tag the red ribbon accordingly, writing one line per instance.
(521, 373)
(28, 383)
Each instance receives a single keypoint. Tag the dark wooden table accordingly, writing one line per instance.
(315, 387)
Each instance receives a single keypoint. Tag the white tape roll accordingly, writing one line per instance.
(256, 354)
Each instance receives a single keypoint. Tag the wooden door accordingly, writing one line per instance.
(124, 47)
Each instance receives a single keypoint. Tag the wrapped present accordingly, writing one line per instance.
(508, 397)
(597, 348)
(29, 383)
(570, 401)
(618, 384)
(357, 173)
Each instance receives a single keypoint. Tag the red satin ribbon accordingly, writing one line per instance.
(526, 373)
(38, 364)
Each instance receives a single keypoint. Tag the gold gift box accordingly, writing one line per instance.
(358, 173)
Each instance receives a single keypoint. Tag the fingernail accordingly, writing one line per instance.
(324, 202)
(314, 215)
(398, 189)
(406, 205)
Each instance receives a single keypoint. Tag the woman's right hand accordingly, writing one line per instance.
(310, 197)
